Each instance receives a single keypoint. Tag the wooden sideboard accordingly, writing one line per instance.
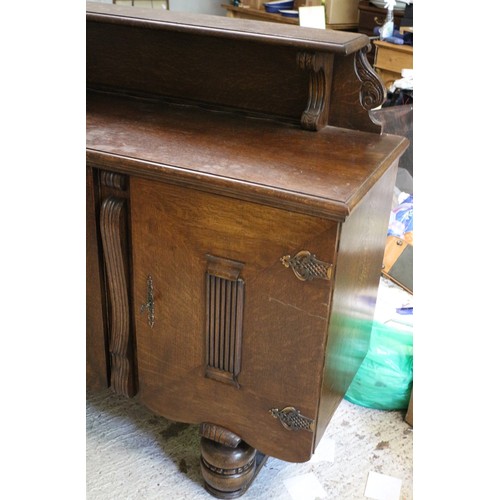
(371, 17)
(340, 15)
(238, 198)
(391, 59)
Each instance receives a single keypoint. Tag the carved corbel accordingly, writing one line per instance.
(320, 68)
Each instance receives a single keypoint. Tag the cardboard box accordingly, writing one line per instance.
(341, 12)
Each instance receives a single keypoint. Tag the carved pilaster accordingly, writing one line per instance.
(372, 92)
(113, 233)
(320, 67)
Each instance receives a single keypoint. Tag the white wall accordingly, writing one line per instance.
(201, 6)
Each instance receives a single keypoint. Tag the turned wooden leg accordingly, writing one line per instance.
(228, 464)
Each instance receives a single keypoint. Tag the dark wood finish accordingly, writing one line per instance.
(246, 159)
(173, 364)
(228, 464)
(224, 297)
(219, 435)
(185, 58)
(114, 236)
(243, 228)
(350, 111)
(227, 471)
(360, 253)
(320, 67)
(97, 345)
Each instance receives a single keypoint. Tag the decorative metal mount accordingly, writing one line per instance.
(307, 267)
(150, 302)
(372, 92)
(292, 420)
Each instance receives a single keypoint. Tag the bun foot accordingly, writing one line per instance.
(229, 471)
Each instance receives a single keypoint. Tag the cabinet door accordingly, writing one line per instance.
(225, 332)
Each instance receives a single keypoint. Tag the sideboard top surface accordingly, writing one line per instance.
(323, 173)
(220, 26)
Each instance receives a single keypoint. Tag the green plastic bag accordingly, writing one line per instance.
(385, 378)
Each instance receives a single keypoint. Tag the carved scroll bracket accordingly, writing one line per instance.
(372, 92)
(320, 68)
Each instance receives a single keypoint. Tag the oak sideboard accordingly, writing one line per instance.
(238, 199)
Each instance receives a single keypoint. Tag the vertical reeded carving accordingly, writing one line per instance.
(320, 68)
(372, 92)
(224, 319)
(113, 180)
(113, 232)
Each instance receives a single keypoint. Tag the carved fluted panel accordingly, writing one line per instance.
(113, 233)
(224, 319)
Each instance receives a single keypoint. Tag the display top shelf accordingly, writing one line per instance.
(223, 27)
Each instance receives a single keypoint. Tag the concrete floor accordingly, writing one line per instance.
(133, 454)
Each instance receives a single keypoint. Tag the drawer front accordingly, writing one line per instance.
(393, 59)
(369, 20)
(233, 333)
(371, 17)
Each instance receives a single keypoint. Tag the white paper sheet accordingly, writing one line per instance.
(382, 487)
(312, 17)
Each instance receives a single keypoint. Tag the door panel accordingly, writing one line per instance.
(235, 332)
